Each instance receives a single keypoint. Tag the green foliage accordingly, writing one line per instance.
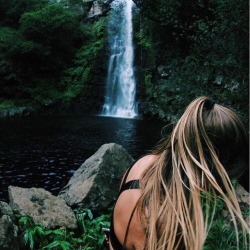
(93, 236)
(45, 92)
(80, 78)
(99, 28)
(34, 54)
(149, 87)
(6, 104)
(88, 236)
(76, 82)
(205, 46)
(161, 11)
(11, 43)
(16, 70)
(222, 234)
(31, 232)
(79, 6)
(144, 38)
(144, 41)
(56, 31)
(12, 10)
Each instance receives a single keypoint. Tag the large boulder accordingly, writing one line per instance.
(8, 230)
(48, 210)
(95, 184)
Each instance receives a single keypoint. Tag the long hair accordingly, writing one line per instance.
(207, 148)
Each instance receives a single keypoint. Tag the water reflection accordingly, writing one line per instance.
(46, 151)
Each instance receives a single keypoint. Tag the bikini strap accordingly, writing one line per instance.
(133, 184)
(126, 175)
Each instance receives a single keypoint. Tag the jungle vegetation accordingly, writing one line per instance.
(50, 52)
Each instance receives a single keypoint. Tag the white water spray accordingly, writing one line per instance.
(120, 92)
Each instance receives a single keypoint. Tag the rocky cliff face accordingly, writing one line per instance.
(97, 8)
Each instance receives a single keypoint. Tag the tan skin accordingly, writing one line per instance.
(124, 207)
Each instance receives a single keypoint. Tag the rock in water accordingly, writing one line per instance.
(96, 183)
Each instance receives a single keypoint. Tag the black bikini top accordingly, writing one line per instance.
(133, 184)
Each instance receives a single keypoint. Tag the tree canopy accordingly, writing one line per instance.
(37, 45)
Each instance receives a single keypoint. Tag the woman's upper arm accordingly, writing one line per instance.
(122, 214)
(125, 206)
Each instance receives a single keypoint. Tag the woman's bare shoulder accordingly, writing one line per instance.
(140, 166)
(125, 205)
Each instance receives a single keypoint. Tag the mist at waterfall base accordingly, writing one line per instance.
(45, 152)
(120, 83)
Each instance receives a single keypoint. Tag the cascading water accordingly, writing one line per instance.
(120, 92)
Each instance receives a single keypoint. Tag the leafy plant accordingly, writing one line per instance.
(6, 105)
(62, 239)
(93, 236)
(31, 232)
(87, 236)
(80, 79)
(222, 234)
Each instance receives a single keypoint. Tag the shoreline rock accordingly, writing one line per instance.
(90, 186)
(46, 209)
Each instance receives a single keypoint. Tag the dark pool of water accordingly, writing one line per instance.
(46, 151)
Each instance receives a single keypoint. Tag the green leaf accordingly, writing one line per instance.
(53, 244)
(65, 245)
(58, 232)
(90, 215)
(31, 239)
(40, 230)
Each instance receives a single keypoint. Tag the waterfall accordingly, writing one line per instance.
(120, 85)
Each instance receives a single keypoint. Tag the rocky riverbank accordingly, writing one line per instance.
(93, 186)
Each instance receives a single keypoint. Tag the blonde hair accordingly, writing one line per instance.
(198, 159)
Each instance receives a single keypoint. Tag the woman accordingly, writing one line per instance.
(161, 201)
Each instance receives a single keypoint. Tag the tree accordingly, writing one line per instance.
(13, 53)
(37, 52)
(12, 10)
(56, 31)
